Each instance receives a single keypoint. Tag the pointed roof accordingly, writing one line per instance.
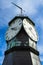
(22, 17)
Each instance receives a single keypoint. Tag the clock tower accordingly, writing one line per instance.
(21, 38)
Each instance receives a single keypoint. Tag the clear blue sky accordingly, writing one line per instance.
(33, 8)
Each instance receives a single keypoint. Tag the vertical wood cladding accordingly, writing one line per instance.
(23, 37)
(22, 58)
(18, 58)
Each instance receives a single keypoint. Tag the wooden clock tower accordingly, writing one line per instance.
(21, 38)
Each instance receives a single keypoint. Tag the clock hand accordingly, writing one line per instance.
(14, 28)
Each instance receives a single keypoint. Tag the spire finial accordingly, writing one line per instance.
(18, 7)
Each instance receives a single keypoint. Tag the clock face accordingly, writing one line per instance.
(13, 29)
(30, 29)
(32, 44)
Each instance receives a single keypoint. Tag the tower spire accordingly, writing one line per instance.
(18, 7)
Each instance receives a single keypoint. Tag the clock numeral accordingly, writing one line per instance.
(30, 28)
(20, 23)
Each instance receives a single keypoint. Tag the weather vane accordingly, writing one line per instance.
(18, 7)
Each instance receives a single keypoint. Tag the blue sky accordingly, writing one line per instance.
(33, 9)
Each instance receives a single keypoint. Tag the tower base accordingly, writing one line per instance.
(18, 56)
